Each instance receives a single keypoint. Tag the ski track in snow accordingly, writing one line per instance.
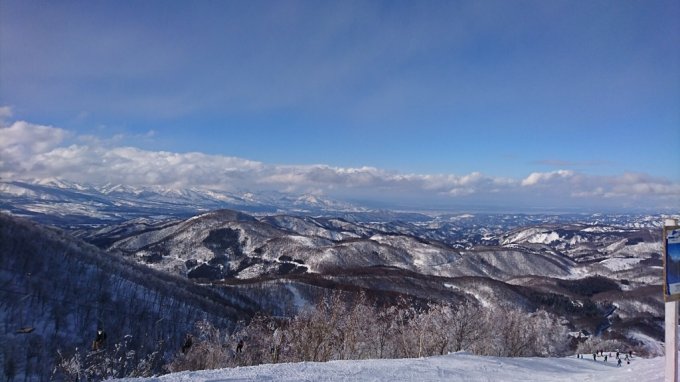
(452, 367)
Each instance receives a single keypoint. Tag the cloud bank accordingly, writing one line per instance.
(31, 151)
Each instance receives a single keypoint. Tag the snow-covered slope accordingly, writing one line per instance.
(56, 290)
(231, 244)
(584, 242)
(453, 367)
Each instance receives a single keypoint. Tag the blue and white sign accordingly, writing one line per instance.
(672, 263)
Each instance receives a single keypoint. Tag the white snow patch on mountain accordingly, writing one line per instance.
(600, 229)
(521, 235)
(544, 238)
(577, 239)
(616, 246)
(532, 235)
(641, 248)
(577, 273)
(620, 263)
(62, 209)
(251, 272)
(303, 240)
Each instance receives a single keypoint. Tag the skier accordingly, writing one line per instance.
(619, 362)
(239, 346)
(595, 356)
(605, 358)
(99, 340)
(617, 354)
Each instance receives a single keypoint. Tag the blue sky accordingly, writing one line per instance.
(454, 88)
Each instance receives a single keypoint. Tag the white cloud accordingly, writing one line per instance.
(641, 184)
(36, 151)
(21, 142)
(536, 178)
(30, 138)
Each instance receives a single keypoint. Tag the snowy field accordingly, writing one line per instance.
(453, 367)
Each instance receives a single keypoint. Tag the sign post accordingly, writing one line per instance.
(671, 290)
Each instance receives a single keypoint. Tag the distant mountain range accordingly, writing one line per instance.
(60, 202)
(64, 203)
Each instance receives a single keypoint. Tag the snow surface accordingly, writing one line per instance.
(452, 367)
(620, 263)
(544, 238)
(650, 344)
(601, 229)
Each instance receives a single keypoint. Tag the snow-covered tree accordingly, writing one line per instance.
(208, 351)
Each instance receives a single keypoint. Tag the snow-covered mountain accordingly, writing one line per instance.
(56, 201)
(246, 246)
(599, 273)
(242, 246)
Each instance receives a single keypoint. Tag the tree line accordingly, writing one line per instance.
(340, 328)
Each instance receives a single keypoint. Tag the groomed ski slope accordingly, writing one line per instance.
(453, 367)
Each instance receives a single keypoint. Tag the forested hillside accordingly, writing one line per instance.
(56, 291)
